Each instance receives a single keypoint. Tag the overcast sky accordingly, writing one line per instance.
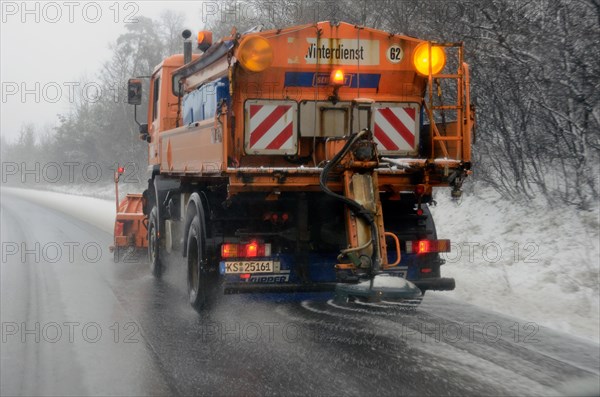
(47, 46)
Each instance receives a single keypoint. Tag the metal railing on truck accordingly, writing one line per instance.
(453, 140)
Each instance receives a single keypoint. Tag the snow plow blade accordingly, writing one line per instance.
(382, 288)
(130, 224)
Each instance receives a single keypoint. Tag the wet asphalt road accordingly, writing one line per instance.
(74, 322)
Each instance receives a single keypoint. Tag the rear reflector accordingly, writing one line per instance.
(427, 246)
(250, 250)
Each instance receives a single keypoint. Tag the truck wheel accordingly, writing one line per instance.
(197, 267)
(154, 243)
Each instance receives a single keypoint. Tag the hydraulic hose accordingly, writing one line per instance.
(354, 206)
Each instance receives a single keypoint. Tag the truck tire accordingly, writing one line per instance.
(197, 272)
(154, 258)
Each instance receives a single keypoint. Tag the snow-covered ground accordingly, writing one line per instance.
(95, 211)
(530, 261)
(97, 190)
(535, 263)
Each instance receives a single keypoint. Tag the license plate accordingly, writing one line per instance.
(249, 267)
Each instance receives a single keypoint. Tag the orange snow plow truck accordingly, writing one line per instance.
(301, 159)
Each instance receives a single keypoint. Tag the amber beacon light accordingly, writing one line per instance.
(204, 40)
(421, 59)
(337, 77)
(255, 53)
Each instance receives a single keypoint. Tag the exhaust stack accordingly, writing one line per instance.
(187, 46)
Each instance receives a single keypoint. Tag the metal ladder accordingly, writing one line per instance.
(464, 117)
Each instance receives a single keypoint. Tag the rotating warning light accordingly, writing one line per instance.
(255, 53)
(421, 59)
(337, 77)
(204, 40)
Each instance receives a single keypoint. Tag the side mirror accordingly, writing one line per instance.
(134, 92)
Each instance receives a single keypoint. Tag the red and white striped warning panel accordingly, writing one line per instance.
(395, 128)
(271, 127)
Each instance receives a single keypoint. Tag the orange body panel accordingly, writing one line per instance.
(192, 149)
(294, 51)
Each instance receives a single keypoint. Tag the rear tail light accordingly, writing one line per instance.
(427, 246)
(251, 250)
(420, 190)
(276, 217)
(229, 250)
